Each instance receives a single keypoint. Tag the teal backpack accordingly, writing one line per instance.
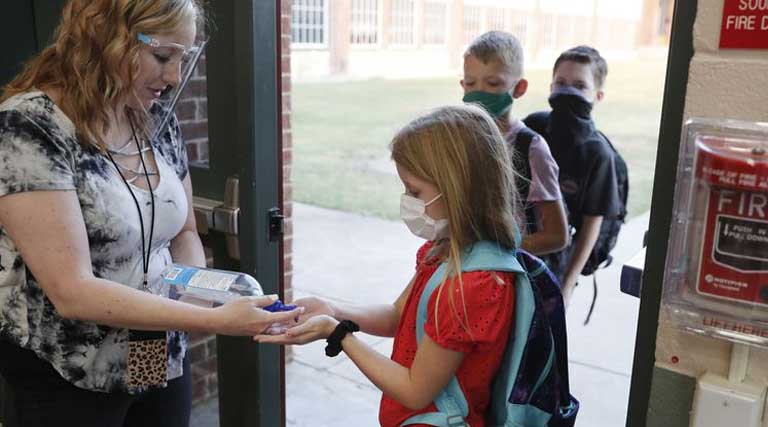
(531, 388)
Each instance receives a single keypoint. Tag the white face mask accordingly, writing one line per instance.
(413, 213)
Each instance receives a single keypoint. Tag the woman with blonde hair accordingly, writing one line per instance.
(93, 208)
(459, 191)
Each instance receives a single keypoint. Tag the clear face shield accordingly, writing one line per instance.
(173, 55)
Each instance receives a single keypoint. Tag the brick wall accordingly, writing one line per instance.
(192, 112)
(285, 69)
(193, 116)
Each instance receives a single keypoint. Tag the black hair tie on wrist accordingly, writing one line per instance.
(334, 340)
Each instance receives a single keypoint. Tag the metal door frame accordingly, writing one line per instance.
(244, 99)
(679, 58)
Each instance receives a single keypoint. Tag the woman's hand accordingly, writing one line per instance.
(244, 316)
(313, 329)
(314, 306)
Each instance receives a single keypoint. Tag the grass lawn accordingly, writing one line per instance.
(342, 131)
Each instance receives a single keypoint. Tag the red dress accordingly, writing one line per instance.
(489, 303)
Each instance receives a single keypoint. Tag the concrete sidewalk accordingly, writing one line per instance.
(346, 257)
(351, 258)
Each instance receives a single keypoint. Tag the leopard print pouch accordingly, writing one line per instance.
(147, 359)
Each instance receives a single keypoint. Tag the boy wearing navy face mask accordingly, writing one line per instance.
(587, 172)
(493, 78)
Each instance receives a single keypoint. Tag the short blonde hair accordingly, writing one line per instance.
(460, 150)
(95, 57)
(499, 46)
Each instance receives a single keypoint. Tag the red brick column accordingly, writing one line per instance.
(338, 37)
(192, 112)
(285, 69)
(455, 39)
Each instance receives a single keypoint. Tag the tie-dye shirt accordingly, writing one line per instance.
(39, 151)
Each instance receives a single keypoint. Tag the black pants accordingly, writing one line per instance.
(40, 397)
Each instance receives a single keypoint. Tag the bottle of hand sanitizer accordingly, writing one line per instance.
(210, 285)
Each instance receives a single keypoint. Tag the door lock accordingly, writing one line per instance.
(276, 224)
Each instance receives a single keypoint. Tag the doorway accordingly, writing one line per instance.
(359, 71)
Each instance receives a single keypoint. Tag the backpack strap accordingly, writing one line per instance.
(451, 403)
(621, 165)
(521, 148)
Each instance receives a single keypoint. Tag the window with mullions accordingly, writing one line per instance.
(403, 22)
(364, 23)
(472, 23)
(567, 29)
(309, 23)
(549, 31)
(435, 22)
(582, 34)
(496, 19)
(520, 26)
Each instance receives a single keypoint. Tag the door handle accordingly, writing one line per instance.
(226, 216)
(216, 215)
(223, 217)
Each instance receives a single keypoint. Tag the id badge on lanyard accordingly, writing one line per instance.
(147, 363)
(147, 359)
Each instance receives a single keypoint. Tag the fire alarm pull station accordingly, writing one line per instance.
(716, 276)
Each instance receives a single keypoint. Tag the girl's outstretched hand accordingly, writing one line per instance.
(313, 329)
(314, 306)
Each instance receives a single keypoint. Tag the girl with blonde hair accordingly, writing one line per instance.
(92, 210)
(459, 190)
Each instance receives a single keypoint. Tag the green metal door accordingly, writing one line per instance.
(244, 132)
(25, 28)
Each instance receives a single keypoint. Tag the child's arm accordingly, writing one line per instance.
(590, 229)
(544, 193)
(414, 388)
(378, 319)
(553, 233)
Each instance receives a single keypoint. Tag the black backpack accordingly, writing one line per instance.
(600, 257)
(610, 227)
(609, 230)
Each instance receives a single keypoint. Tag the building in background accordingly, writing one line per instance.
(411, 38)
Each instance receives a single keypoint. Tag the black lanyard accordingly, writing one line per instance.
(145, 253)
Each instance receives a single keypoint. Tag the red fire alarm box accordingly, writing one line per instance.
(716, 280)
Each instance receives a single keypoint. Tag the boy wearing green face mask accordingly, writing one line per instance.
(493, 78)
